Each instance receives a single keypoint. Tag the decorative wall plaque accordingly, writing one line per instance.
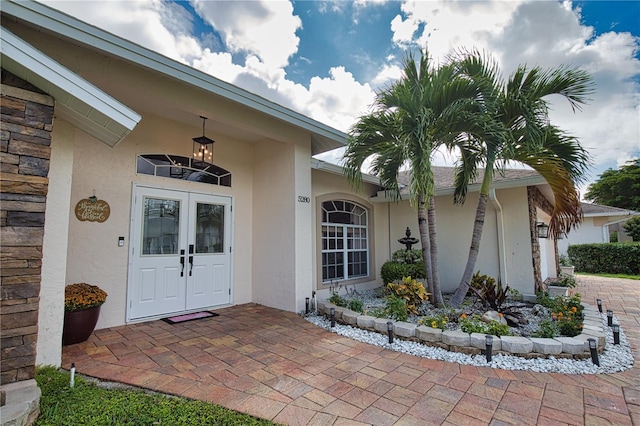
(92, 210)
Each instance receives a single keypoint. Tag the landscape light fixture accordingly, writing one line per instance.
(203, 146)
(488, 339)
(594, 351)
(616, 334)
(306, 305)
(599, 303)
(609, 317)
(333, 317)
(543, 230)
(390, 331)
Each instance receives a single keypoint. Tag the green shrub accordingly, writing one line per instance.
(407, 256)
(396, 308)
(411, 291)
(612, 258)
(394, 271)
(547, 329)
(337, 300)
(438, 321)
(356, 305)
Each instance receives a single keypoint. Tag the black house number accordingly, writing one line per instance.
(303, 199)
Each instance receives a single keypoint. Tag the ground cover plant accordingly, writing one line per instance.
(406, 300)
(88, 404)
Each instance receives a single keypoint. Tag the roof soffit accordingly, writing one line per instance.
(77, 101)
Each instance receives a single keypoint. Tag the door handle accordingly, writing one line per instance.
(190, 259)
(182, 263)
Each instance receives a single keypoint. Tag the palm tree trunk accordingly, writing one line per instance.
(474, 249)
(423, 228)
(435, 273)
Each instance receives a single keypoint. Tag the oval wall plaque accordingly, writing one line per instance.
(92, 211)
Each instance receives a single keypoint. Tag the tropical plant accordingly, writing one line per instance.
(520, 107)
(396, 308)
(427, 108)
(411, 291)
(80, 296)
(337, 300)
(356, 305)
(489, 292)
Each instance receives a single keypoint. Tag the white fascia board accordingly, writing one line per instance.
(336, 169)
(626, 214)
(503, 184)
(77, 100)
(67, 26)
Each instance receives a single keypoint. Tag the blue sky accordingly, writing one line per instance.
(326, 59)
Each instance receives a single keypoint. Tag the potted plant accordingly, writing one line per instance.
(560, 286)
(565, 265)
(82, 304)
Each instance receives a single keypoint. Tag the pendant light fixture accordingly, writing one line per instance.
(203, 146)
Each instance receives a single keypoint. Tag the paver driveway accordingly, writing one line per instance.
(276, 365)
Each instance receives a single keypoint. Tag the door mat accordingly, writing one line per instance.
(189, 317)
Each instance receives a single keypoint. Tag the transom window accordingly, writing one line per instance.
(345, 241)
(183, 168)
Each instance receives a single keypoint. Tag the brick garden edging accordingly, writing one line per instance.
(457, 341)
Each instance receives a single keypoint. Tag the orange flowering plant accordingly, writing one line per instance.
(82, 296)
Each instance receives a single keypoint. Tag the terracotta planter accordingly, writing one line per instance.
(79, 325)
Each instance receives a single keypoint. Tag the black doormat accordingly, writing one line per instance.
(189, 317)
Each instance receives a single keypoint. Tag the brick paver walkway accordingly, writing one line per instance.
(276, 365)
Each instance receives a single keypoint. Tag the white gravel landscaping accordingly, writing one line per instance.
(615, 358)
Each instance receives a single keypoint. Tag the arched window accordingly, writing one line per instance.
(345, 241)
(183, 168)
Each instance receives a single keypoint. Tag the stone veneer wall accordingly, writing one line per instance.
(537, 200)
(25, 148)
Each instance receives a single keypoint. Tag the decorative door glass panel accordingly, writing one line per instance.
(209, 228)
(160, 226)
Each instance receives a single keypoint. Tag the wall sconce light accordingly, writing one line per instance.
(543, 230)
(203, 146)
(390, 331)
(594, 352)
(616, 334)
(488, 346)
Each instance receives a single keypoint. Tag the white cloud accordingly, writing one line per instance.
(547, 34)
(266, 29)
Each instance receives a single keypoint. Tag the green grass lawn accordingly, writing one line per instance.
(88, 404)
(625, 276)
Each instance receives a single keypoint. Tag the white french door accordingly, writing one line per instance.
(180, 256)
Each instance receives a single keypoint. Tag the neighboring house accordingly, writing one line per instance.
(87, 114)
(598, 225)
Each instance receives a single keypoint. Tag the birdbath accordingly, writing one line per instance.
(408, 240)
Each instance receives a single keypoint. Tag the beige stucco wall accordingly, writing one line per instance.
(94, 255)
(454, 229)
(54, 247)
(330, 185)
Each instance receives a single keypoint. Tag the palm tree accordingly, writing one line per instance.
(521, 108)
(426, 108)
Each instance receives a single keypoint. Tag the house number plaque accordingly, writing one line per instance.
(92, 210)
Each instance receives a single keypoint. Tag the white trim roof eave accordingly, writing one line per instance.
(382, 197)
(324, 138)
(336, 169)
(77, 100)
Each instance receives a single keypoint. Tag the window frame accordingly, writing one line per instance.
(368, 211)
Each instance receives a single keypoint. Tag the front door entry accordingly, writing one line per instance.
(180, 254)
